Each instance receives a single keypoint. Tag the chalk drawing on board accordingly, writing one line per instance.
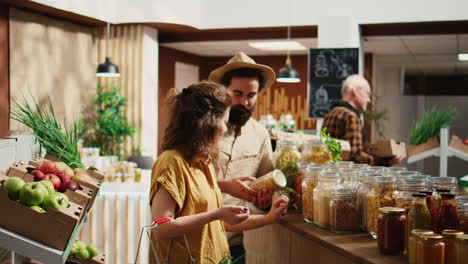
(321, 66)
(322, 102)
(337, 64)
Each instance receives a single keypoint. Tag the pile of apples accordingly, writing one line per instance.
(58, 173)
(39, 196)
(82, 251)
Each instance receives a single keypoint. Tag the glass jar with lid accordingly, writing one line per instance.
(406, 174)
(432, 210)
(327, 180)
(383, 194)
(316, 151)
(449, 237)
(419, 216)
(430, 250)
(366, 183)
(301, 167)
(342, 164)
(268, 121)
(413, 239)
(446, 183)
(392, 171)
(462, 248)
(449, 217)
(343, 210)
(391, 230)
(359, 166)
(379, 168)
(406, 188)
(309, 183)
(349, 176)
(464, 218)
(286, 123)
(287, 154)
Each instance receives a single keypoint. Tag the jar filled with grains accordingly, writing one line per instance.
(327, 180)
(316, 151)
(309, 183)
(392, 171)
(343, 211)
(301, 167)
(287, 153)
(450, 237)
(414, 237)
(366, 183)
(383, 194)
(430, 250)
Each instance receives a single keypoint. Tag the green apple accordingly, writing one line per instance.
(33, 193)
(48, 185)
(80, 244)
(55, 201)
(82, 254)
(93, 251)
(74, 249)
(13, 186)
(65, 200)
(37, 209)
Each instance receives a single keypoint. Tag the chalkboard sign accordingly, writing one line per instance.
(327, 70)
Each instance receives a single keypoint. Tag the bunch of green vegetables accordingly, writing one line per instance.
(333, 146)
(429, 126)
(55, 138)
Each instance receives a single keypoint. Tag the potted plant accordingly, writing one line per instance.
(143, 162)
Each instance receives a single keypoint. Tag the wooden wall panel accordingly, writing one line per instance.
(4, 72)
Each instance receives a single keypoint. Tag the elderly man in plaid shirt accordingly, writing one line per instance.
(343, 121)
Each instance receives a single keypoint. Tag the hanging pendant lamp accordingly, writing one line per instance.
(107, 69)
(288, 74)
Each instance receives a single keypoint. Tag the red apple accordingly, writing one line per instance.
(48, 167)
(63, 176)
(38, 175)
(53, 179)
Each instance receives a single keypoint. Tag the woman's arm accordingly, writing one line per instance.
(163, 205)
(278, 208)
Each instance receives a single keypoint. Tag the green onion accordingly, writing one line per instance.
(429, 126)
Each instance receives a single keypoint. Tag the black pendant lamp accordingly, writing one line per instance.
(107, 69)
(288, 74)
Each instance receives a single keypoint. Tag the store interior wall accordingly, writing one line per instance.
(4, 73)
(50, 57)
(403, 110)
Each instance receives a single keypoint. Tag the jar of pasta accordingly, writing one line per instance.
(327, 180)
(414, 237)
(287, 154)
(383, 194)
(430, 250)
(316, 151)
(309, 183)
(366, 183)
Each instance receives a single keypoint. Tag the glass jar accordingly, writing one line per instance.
(391, 230)
(316, 151)
(349, 176)
(392, 171)
(286, 123)
(383, 194)
(406, 174)
(287, 154)
(449, 217)
(343, 164)
(450, 237)
(297, 183)
(268, 121)
(309, 183)
(327, 180)
(430, 250)
(464, 218)
(360, 166)
(461, 200)
(366, 183)
(446, 183)
(406, 188)
(414, 237)
(343, 211)
(379, 168)
(419, 216)
(462, 248)
(432, 210)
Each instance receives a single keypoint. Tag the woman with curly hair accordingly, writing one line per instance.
(183, 185)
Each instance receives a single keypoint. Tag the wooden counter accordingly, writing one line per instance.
(294, 241)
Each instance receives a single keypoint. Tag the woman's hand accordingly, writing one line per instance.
(232, 214)
(278, 208)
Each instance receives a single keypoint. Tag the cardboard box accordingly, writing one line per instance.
(412, 150)
(53, 228)
(457, 143)
(99, 259)
(82, 196)
(386, 148)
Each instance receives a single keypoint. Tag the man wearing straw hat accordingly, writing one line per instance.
(245, 151)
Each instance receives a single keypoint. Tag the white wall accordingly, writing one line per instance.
(261, 13)
(403, 110)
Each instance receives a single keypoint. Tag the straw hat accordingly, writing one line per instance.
(241, 60)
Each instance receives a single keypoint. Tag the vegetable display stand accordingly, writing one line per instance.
(443, 152)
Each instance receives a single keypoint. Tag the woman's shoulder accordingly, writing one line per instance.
(170, 156)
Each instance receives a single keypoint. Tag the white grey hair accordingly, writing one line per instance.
(352, 81)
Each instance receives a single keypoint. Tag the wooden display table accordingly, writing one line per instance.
(294, 241)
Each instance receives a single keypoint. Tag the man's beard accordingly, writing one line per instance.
(239, 115)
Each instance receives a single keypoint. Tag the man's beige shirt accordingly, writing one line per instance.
(248, 153)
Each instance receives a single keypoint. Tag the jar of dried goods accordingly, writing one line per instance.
(343, 211)
(287, 154)
(316, 151)
(383, 194)
(327, 180)
(391, 230)
(350, 176)
(309, 183)
(366, 183)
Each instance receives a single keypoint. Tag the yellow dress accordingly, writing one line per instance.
(193, 186)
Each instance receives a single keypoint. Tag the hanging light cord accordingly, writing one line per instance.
(107, 39)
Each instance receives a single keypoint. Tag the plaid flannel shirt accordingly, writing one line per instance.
(343, 122)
